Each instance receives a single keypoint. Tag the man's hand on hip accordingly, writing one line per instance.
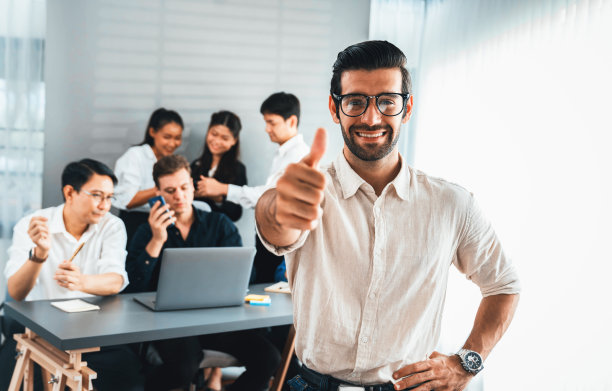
(439, 373)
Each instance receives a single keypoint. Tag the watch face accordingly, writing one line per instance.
(473, 360)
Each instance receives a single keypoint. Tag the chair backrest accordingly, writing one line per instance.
(3, 327)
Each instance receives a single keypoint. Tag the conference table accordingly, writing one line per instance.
(55, 339)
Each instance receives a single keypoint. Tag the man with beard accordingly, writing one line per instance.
(369, 242)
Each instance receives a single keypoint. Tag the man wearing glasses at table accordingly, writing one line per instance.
(40, 265)
(369, 243)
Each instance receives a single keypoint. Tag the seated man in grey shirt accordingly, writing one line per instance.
(369, 243)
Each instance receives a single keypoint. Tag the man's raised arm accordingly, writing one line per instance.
(294, 205)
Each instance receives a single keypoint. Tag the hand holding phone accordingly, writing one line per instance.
(159, 198)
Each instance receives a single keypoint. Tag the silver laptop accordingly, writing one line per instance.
(201, 277)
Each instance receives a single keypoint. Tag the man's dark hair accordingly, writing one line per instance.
(370, 55)
(168, 165)
(160, 118)
(283, 104)
(76, 174)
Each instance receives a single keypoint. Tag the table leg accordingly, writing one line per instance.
(60, 381)
(46, 378)
(288, 350)
(28, 378)
(67, 368)
(20, 367)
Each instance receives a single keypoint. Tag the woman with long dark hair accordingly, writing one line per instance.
(134, 169)
(219, 160)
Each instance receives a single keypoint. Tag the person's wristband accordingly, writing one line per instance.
(34, 258)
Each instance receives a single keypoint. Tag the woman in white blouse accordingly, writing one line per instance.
(134, 169)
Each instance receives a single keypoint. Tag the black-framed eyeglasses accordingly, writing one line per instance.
(388, 103)
(99, 197)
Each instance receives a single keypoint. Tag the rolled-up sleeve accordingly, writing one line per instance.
(128, 170)
(246, 196)
(113, 253)
(482, 259)
(278, 250)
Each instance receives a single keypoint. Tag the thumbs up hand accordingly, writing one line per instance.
(299, 191)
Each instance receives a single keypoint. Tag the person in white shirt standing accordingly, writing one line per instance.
(281, 113)
(163, 135)
(40, 266)
(370, 241)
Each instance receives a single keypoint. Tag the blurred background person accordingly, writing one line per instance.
(163, 135)
(219, 160)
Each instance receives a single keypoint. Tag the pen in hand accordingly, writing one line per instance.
(76, 251)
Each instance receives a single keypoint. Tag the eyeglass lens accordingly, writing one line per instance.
(388, 104)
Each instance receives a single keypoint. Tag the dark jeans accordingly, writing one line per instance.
(118, 367)
(182, 356)
(309, 380)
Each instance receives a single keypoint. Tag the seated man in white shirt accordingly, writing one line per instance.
(39, 265)
(281, 113)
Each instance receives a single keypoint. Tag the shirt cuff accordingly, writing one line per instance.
(282, 250)
(233, 193)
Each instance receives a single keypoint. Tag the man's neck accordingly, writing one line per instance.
(73, 225)
(185, 219)
(377, 173)
(287, 139)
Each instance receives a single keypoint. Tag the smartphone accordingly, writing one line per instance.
(153, 200)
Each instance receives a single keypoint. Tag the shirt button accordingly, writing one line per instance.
(147, 262)
(372, 295)
(364, 339)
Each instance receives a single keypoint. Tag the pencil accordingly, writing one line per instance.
(76, 251)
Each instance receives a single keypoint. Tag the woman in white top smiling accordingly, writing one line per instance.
(134, 169)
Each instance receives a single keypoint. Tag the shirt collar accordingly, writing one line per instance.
(148, 151)
(198, 214)
(56, 224)
(401, 183)
(350, 181)
(348, 178)
(289, 144)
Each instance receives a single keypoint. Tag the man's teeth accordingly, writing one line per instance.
(370, 135)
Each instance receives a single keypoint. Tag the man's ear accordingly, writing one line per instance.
(408, 110)
(293, 121)
(69, 193)
(333, 110)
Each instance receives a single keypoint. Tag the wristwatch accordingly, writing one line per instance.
(32, 257)
(470, 360)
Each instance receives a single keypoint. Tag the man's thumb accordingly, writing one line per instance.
(319, 145)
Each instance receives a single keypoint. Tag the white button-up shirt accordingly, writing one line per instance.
(134, 171)
(292, 151)
(103, 252)
(369, 283)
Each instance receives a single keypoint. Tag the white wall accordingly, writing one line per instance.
(110, 63)
(514, 105)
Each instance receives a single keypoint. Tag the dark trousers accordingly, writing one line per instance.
(309, 380)
(264, 264)
(132, 221)
(182, 356)
(118, 367)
